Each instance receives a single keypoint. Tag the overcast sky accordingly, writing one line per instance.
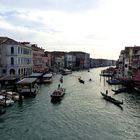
(99, 27)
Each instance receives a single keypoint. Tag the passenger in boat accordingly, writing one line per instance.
(90, 79)
(106, 92)
(36, 86)
(58, 86)
(61, 80)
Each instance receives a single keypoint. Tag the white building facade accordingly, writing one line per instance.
(15, 58)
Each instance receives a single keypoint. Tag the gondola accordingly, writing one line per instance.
(81, 81)
(110, 99)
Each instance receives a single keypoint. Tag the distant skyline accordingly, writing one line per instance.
(100, 27)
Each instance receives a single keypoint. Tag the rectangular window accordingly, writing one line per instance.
(18, 50)
(18, 61)
(12, 61)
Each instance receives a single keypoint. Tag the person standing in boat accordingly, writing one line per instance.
(106, 92)
(58, 86)
(61, 79)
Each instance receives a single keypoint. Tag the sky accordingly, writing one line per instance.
(100, 27)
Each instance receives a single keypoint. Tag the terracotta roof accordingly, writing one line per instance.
(36, 48)
(6, 40)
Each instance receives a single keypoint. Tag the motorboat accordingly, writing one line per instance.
(58, 93)
(47, 78)
(6, 101)
(113, 81)
(66, 72)
(120, 90)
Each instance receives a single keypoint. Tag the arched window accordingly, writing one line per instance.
(12, 50)
(12, 72)
(22, 71)
(12, 61)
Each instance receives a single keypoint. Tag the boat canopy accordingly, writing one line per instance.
(36, 75)
(27, 81)
(10, 78)
(48, 75)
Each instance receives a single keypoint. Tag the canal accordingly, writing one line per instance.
(81, 115)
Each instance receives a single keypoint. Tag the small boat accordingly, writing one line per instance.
(6, 101)
(9, 102)
(120, 90)
(66, 72)
(58, 93)
(61, 79)
(90, 79)
(110, 99)
(106, 73)
(47, 78)
(81, 81)
(113, 81)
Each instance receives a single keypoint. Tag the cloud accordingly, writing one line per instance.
(62, 5)
(99, 27)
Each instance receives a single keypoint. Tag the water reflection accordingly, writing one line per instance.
(81, 114)
(56, 102)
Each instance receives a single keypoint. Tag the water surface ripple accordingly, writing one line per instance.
(81, 115)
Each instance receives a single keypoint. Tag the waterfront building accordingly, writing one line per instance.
(70, 61)
(101, 63)
(15, 57)
(82, 60)
(47, 61)
(120, 65)
(128, 61)
(94, 63)
(57, 60)
(128, 64)
(38, 60)
(136, 60)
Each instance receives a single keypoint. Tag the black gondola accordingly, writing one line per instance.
(110, 99)
(81, 81)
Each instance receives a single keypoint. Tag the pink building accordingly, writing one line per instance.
(38, 62)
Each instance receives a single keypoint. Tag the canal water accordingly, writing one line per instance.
(81, 115)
